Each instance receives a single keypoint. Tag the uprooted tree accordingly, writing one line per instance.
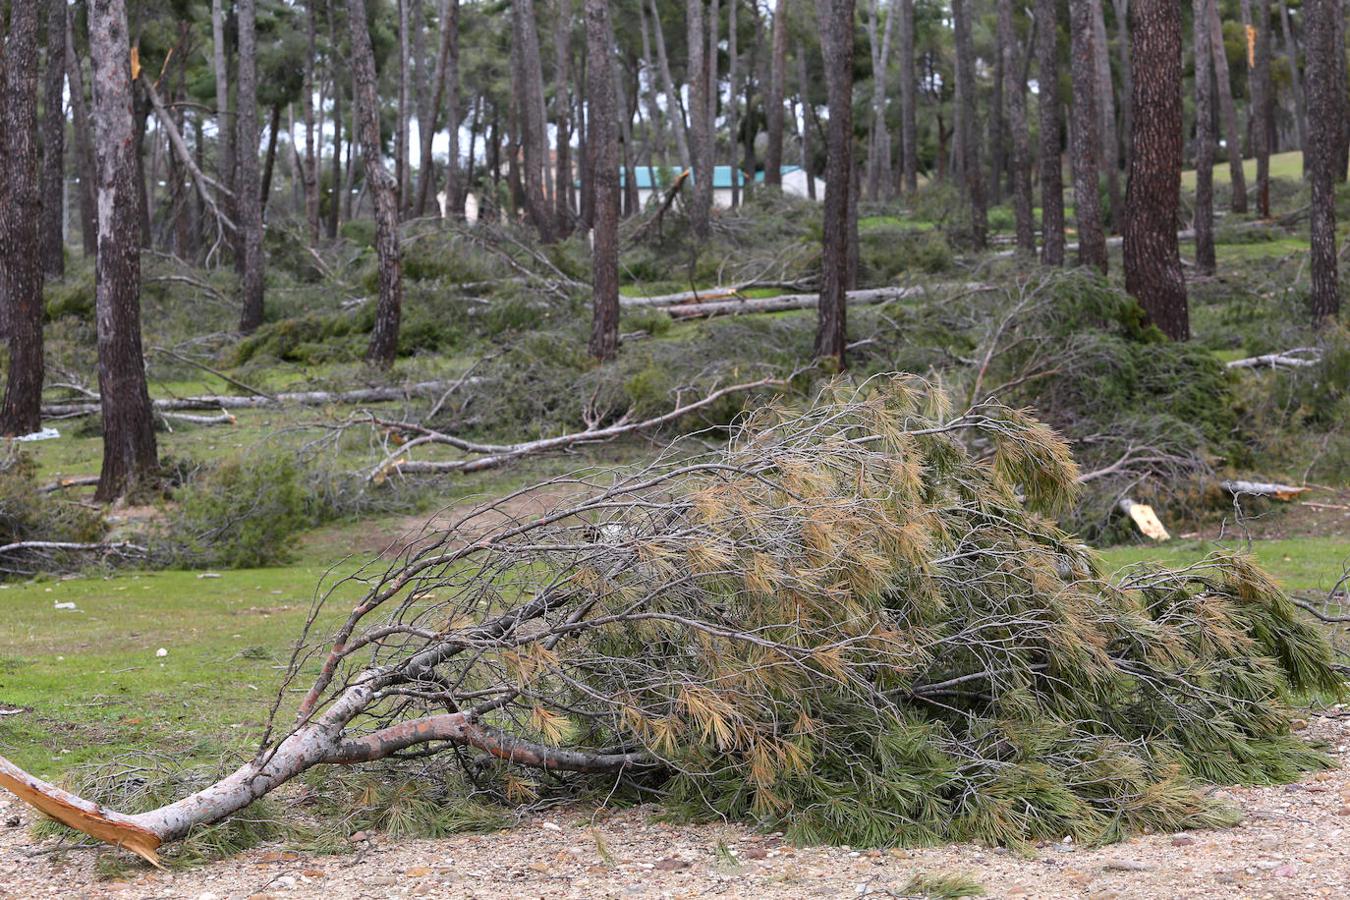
(853, 621)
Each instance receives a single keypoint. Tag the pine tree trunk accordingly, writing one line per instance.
(967, 127)
(311, 162)
(383, 190)
(1014, 87)
(998, 131)
(1326, 114)
(1051, 162)
(1204, 140)
(533, 134)
(1227, 113)
(20, 213)
(270, 158)
(340, 196)
(1106, 111)
(248, 196)
(879, 153)
(808, 122)
(414, 203)
(224, 121)
(1126, 72)
(455, 189)
(130, 457)
(562, 108)
(403, 131)
(700, 138)
(909, 143)
(1262, 106)
(1342, 162)
(773, 153)
(835, 20)
(603, 156)
(1152, 261)
(680, 128)
(1086, 146)
(1295, 80)
(54, 144)
(84, 142)
(733, 102)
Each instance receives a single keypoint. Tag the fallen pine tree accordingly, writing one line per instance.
(865, 297)
(293, 398)
(847, 624)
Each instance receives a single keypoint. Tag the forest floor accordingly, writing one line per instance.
(1291, 843)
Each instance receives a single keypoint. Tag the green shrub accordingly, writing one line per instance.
(241, 513)
(887, 251)
(71, 296)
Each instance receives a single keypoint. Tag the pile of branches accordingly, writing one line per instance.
(856, 622)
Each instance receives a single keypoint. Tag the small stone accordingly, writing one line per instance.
(13, 822)
(755, 853)
(1343, 811)
(671, 864)
(1183, 840)
(1288, 870)
(1125, 865)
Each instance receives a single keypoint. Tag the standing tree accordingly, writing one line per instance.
(603, 155)
(1152, 261)
(1262, 106)
(1015, 102)
(1086, 148)
(1326, 115)
(20, 208)
(773, 154)
(529, 85)
(383, 189)
(1052, 166)
(909, 144)
(879, 148)
(224, 123)
(248, 197)
(1106, 113)
(82, 127)
(310, 164)
(967, 130)
(700, 123)
(130, 457)
(1204, 140)
(836, 42)
(54, 143)
(1227, 112)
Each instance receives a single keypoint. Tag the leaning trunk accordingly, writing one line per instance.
(383, 190)
(1152, 262)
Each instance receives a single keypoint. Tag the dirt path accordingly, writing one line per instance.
(1293, 843)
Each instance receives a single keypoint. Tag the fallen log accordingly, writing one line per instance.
(1293, 359)
(722, 292)
(867, 297)
(294, 398)
(62, 484)
(491, 456)
(1264, 489)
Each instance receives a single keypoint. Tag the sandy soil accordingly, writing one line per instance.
(1294, 842)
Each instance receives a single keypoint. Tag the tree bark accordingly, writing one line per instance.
(54, 144)
(1263, 109)
(680, 128)
(310, 166)
(700, 138)
(455, 190)
(224, 121)
(1106, 111)
(1015, 103)
(733, 104)
(1326, 113)
(1227, 113)
(248, 195)
(562, 108)
(909, 143)
(1052, 166)
(270, 159)
(967, 129)
(1152, 261)
(773, 153)
(421, 103)
(808, 122)
(1295, 80)
(603, 156)
(383, 190)
(339, 195)
(1126, 72)
(1204, 140)
(20, 212)
(879, 152)
(835, 21)
(532, 122)
(84, 142)
(1086, 146)
(130, 457)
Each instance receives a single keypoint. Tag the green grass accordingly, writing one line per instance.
(1299, 564)
(1282, 165)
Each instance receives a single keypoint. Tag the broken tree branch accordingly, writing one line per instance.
(293, 398)
(1297, 358)
(783, 302)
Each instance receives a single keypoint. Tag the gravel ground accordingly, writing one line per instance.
(1292, 844)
